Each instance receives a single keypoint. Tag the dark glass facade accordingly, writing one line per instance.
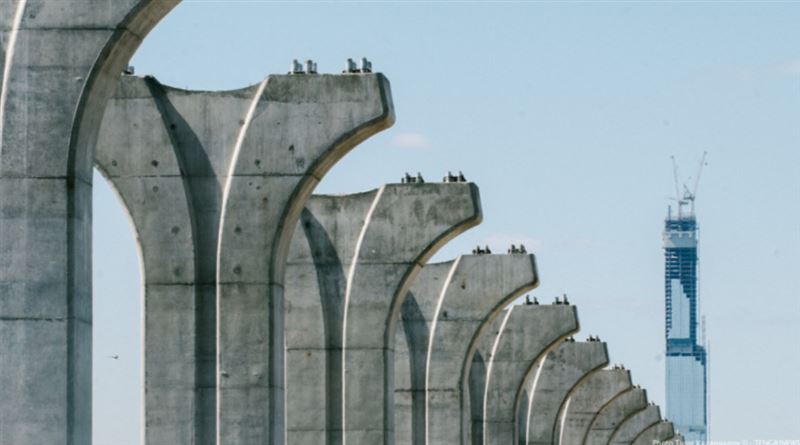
(686, 361)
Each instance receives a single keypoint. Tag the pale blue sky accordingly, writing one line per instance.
(565, 115)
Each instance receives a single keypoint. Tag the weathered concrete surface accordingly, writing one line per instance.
(555, 381)
(615, 413)
(212, 180)
(464, 314)
(477, 388)
(448, 304)
(60, 62)
(478, 375)
(250, 299)
(588, 400)
(523, 339)
(352, 262)
(660, 432)
(634, 425)
(369, 339)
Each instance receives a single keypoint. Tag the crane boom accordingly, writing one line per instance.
(688, 196)
(699, 172)
(677, 183)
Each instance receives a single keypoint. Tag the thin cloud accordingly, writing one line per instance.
(784, 67)
(411, 140)
(790, 66)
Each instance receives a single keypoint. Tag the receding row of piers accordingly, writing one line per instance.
(271, 315)
(379, 345)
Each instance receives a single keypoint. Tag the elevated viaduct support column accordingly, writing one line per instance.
(353, 270)
(448, 305)
(389, 261)
(617, 411)
(660, 432)
(555, 380)
(587, 401)
(634, 425)
(526, 335)
(468, 305)
(59, 62)
(213, 181)
(250, 329)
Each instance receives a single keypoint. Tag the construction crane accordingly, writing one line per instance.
(688, 196)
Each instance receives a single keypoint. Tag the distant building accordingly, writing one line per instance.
(686, 361)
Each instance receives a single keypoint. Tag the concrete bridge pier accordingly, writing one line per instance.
(589, 398)
(59, 63)
(617, 411)
(634, 425)
(660, 432)
(447, 308)
(213, 182)
(473, 294)
(389, 261)
(556, 378)
(517, 342)
(350, 260)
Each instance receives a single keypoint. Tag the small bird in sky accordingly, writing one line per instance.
(115, 357)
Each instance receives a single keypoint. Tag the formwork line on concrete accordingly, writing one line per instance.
(589, 400)
(45, 180)
(625, 433)
(616, 412)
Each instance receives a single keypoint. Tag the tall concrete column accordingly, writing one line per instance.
(275, 166)
(60, 62)
(356, 266)
(559, 374)
(525, 336)
(170, 153)
(617, 411)
(589, 399)
(448, 304)
(634, 425)
(655, 434)
(464, 314)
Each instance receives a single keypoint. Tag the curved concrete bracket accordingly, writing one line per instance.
(385, 263)
(465, 311)
(350, 260)
(615, 413)
(656, 434)
(317, 119)
(60, 62)
(448, 304)
(563, 370)
(212, 180)
(589, 398)
(526, 335)
(635, 424)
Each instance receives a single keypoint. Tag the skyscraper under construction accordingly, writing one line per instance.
(686, 357)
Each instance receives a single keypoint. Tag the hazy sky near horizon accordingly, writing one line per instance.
(565, 115)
